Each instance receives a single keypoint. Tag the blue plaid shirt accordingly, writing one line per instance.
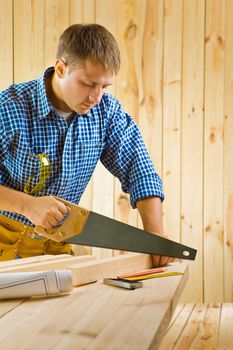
(29, 126)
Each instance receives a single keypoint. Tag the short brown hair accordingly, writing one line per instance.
(80, 42)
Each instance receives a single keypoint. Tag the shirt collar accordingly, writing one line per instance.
(44, 107)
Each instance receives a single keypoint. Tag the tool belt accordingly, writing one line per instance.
(17, 239)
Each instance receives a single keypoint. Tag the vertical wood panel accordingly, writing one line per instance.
(150, 88)
(213, 150)
(6, 44)
(228, 155)
(172, 116)
(56, 21)
(127, 90)
(192, 140)
(28, 39)
(150, 119)
(82, 11)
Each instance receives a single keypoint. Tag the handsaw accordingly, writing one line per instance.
(84, 227)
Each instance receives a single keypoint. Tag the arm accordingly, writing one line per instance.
(43, 211)
(150, 210)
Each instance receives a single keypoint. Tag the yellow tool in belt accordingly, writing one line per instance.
(44, 174)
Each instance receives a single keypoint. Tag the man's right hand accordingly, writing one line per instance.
(45, 211)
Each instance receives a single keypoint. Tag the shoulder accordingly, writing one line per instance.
(18, 93)
(110, 104)
(15, 102)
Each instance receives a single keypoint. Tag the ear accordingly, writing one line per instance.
(60, 68)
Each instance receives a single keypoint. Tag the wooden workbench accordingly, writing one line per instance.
(94, 316)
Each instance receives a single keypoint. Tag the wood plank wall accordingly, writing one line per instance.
(176, 81)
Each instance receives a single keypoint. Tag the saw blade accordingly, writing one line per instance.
(101, 231)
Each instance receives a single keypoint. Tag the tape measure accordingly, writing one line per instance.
(44, 174)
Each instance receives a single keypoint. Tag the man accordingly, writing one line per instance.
(53, 132)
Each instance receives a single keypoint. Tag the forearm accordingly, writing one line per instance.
(150, 210)
(44, 211)
(12, 200)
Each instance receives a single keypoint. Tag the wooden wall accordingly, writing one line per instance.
(176, 81)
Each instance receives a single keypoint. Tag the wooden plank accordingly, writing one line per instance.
(127, 88)
(32, 259)
(89, 318)
(172, 116)
(56, 264)
(150, 31)
(213, 150)
(6, 44)
(81, 11)
(109, 267)
(7, 306)
(228, 156)
(150, 324)
(192, 146)
(28, 39)
(176, 327)
(56, 21)
(201, 330)
(225, 338)
(150, 89)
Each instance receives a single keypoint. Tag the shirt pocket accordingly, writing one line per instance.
(21, 163)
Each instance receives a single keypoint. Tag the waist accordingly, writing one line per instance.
(19, 227)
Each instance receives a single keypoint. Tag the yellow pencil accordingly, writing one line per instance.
(155, 275)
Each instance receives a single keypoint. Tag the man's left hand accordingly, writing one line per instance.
(159, 260)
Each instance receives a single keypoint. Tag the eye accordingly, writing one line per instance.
(87, 84)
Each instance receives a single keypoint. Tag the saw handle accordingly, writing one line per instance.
(72, 225)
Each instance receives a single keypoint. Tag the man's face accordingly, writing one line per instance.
(82, 88)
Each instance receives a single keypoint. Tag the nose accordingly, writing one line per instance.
(96, 95)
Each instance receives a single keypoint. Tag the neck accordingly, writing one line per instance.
(54, 94)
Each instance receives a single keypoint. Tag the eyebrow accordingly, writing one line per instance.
(96, 83)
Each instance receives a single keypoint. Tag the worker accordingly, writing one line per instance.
(53, 132)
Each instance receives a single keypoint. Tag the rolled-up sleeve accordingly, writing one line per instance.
(127, 158)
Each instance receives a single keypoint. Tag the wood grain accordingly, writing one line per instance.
(6, 43)
(228, 155)
(192, 147)
(176, 82)
(89, 317)
(172, 71)
(213, 150)
(200, 326)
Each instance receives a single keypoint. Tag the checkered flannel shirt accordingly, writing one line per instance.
(29, 126)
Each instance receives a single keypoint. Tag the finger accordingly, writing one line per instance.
(64, 209)
(164, 260)
(52, 221)
(45, 224)
(155, 260)
(58, 216)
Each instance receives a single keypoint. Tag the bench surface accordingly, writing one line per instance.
(94, 316)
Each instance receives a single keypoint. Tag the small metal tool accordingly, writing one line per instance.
(118, 282)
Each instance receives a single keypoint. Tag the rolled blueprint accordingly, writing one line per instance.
(30, 284)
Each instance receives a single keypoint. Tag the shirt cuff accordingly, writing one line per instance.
(149, 186)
